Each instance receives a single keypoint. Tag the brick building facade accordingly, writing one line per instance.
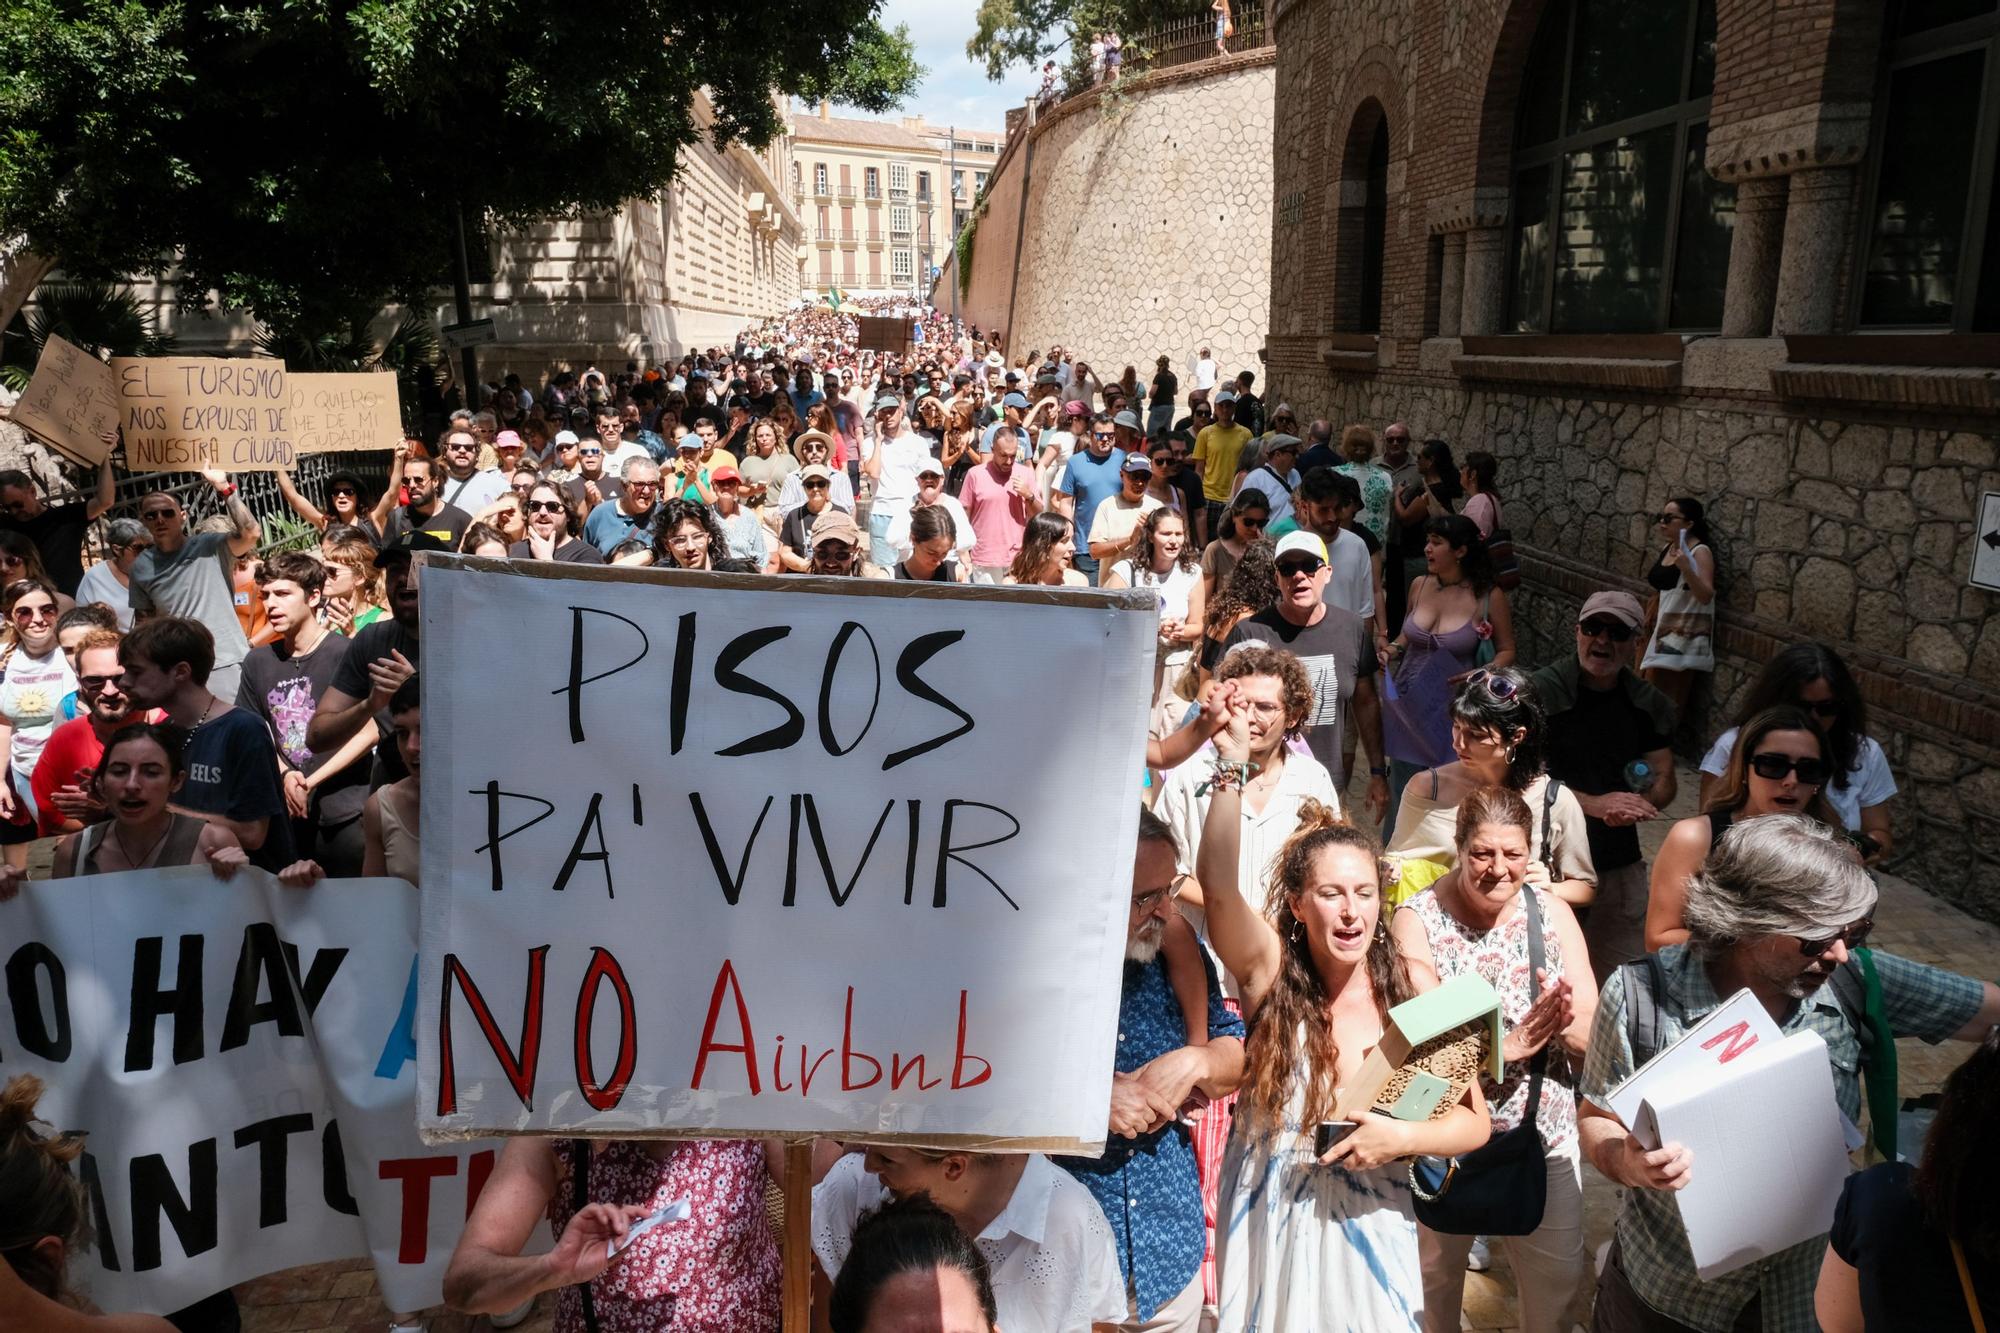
(1732, 249)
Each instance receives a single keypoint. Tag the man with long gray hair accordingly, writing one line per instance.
(1777, 909)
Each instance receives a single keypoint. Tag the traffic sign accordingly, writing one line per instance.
(472, 333)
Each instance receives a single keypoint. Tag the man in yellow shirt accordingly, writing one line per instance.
(1216, 451)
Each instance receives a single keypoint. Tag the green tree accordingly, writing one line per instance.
(307, 158)
(1025, 32)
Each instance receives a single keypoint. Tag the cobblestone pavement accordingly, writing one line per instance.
(341, 1298)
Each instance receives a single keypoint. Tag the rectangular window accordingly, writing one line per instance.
(1920, 199)
(899, 219)
(899, 176)
(958, 185)
(1612, 213)
(902, 265)
(874, 182)
(979, 183)
(923, 185)
(819, 178)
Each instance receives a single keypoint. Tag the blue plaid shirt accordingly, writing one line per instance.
(1918, 1001)
(1149, 1187)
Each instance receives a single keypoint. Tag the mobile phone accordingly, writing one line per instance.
(1330, 1132)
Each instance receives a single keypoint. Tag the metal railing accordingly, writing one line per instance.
(283, 529)
(1185, 41)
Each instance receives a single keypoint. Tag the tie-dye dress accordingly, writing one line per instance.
(1304, 1246)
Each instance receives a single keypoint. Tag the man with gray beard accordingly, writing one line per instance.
(1147, 1182)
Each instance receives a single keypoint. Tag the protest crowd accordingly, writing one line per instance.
(1357, 793)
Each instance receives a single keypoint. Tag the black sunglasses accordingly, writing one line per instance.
(818, 485)
(1291, 569)
(1245, 521)
(1853, 937)
(1774, 766)
(1615, 630)
(545, 506)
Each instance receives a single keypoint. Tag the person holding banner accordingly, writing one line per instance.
(44, 1218)
(1307, 1240)
(1776, 909)
(195, 575)
(911, 1267)
(143, 769)
(58, 531)
(344, 503)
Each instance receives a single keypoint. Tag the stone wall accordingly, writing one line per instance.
(1146, 231)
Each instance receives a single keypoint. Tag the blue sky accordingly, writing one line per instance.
(956, 90)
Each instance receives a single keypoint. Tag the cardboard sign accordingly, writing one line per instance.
(241, 1056)
(70, 402)
(879, 333)
(340, 413)
(775, 855)
(185, 413)
(1732, 1028)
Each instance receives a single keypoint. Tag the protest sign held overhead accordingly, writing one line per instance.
(70, 403)
(340, 413)
(792, 856)
(241, 1058)
(185, 413)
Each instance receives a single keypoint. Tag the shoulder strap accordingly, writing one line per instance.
(1549, 790)
(1537, 959)
(1850, 991)
(1644, 980)
(579, 1177)
(1965, 1285)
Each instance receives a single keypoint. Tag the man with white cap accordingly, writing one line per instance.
(1117, 516)
(1609, 739)
(893, 462)
(930, 491)
(1777, 909)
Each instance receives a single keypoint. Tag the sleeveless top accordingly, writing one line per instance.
(1416, 713)
(402, 851)
(1501, 956)
(176, 849)
(716, 1272)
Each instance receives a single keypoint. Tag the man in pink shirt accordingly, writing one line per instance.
(999, 497)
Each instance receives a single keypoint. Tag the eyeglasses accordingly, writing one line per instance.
(1144, 903)
(523, 487)
(1599, 627)
(158, 515)
(31, 614)
(1775, 766)
(591, 453)
(1670, 517)
(642, 485)
(545, 506)
(1291, 569)
(833, 553)
(1853, 937)
(1500, 687)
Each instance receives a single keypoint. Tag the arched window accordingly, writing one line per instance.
(1617, 225)
(1931, 250)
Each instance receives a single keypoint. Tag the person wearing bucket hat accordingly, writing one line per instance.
(1610, 739)
(836, 544)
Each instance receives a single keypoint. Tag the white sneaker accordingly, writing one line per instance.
(1479, 1258)
(518, 1315)
(417, 1327)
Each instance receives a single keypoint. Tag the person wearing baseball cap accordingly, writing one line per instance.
(1130, 435)
(1117, 515)
(1609, 738)
(836, 544)
(1217, 449)
(899, 451)
(747, 540)
(815, 482)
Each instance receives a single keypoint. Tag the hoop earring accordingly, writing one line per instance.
(1298, 930)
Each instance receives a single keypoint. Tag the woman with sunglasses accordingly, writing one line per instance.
(35, 675)
(1779, 766)
(345, 503)
(21, 559)
(109, 581)
(1682, 612)
(553, 522)
(1500, 737)
(815, 447)
(1243, 522)
(1047, 548)
(353, 583)
(1860, 785)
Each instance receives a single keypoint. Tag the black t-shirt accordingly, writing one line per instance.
(1908, 1281)
(1590, 745)
(232, 770)
(944, 573)
(285, 691)
(574, 551)
(796, 531)
(385, 636)
(57, 533)
(763, 404)
(447, 524)
(1188, 482)
(608, 488)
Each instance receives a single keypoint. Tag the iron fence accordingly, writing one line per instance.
(283, 529)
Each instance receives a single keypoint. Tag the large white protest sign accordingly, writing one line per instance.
(241, 1057)
(715, 854)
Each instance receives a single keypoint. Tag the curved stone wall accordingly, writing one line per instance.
(1146, 230)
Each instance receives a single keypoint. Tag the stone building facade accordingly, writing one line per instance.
(1132, 226)
(1730, 249)
(872, 195)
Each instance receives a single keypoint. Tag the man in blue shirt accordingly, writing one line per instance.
(1091, 478)
(1147, 1182)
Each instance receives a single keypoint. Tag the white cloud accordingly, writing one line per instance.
(956, 90)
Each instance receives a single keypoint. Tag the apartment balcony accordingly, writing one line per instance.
(924, 202)
(848, 237)
(874, 198)
(876, 239)
(847, 192)
(826, 239)
(821, 190)
(902, 234)
(897, 196)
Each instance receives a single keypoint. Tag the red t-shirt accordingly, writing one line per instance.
(69, 757)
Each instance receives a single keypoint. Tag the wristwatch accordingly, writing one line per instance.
(1375, 772)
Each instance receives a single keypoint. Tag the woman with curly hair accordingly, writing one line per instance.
(688, 535)
(1311, 1240)
(1252, 587)
(1162, 559)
